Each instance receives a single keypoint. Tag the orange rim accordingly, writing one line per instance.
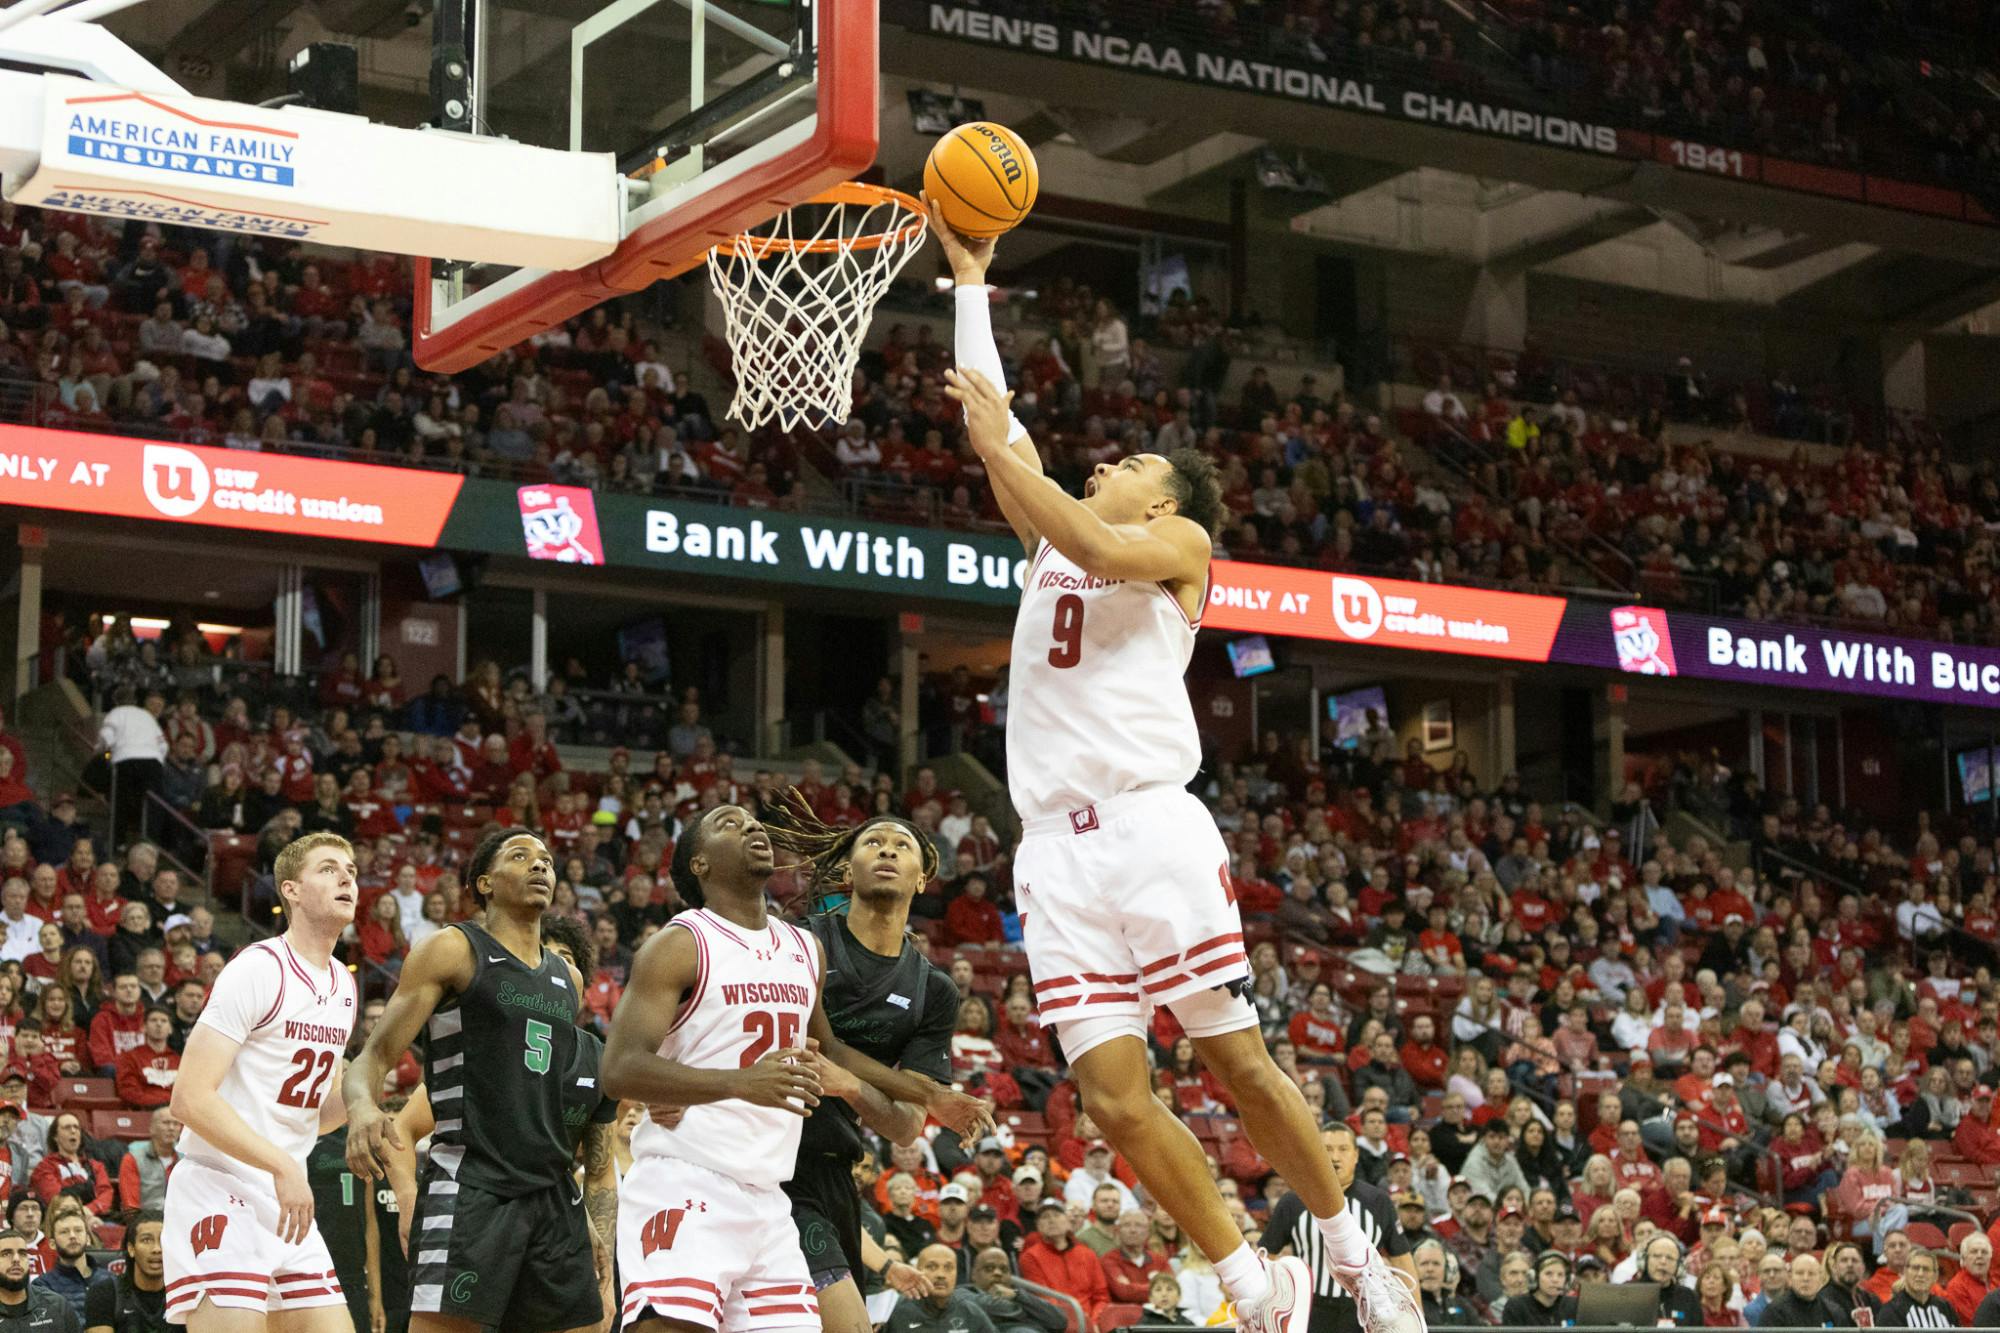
(747, 245)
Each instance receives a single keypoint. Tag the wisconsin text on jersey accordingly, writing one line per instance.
(765, 992)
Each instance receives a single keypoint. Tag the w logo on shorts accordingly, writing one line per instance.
(207, 1233)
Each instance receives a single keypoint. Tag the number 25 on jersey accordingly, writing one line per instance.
(768, 1032)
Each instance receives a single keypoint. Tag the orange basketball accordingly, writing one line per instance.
(984, 177)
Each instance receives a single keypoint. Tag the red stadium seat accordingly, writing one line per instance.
(128, 1125)
(1959, 1231)
(1024, 1122)
(1119, 1316)
(1926, 1236)
(88, 1094)
(1964, 1175)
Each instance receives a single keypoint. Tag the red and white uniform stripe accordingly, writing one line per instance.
(1127, 905)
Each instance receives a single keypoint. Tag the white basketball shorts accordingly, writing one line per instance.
(221, 1242)
(702, 1248)
(1126, 905)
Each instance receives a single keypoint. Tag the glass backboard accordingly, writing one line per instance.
(718, 113)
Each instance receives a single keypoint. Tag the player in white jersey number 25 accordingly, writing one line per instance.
(1121, 878)
(722, 1021)
(259, 1082)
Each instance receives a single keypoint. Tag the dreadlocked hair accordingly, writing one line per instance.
(825, 849)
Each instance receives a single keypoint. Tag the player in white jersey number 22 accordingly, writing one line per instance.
(259, 1082)
(1121, 877)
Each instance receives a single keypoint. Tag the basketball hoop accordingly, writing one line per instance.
(797, 295)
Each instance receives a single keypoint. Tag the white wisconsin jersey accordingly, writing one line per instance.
(291, 1022)
(1097, 693)
(754, 993)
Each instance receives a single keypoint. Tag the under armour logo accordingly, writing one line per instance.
(1084, 820)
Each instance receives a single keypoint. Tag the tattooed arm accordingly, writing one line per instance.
(600, 1206)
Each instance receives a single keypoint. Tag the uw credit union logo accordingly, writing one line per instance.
(176, 481)
(1357, 608)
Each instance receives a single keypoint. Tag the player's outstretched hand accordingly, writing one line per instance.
(666, 1117)
(784, 1079)
(971, 1117)
(295, 1204)
(370, 1135)
(906, 1280)
(987, 408)
(968, 258)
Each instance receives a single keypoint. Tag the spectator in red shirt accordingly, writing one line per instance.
(996, 1181)
(1255, 895)
(532, 751)
(1975, 1138)
(75, 875)
(1531, 909)
(381, 935)
(1129, 1267)
(971, 918)
(1053, 1258)
(494, 772)
(1968, 1287)
(1422, 1055)
(1439, 943)
(1317, 1032)
(1021, 1040)
(119, 1026)
(67, 1170)
(103, 904)
(146, 1072)
(1671, 1041)
(1805, 1162)
(1693, 1087)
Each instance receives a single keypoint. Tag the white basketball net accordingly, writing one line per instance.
(797, 295)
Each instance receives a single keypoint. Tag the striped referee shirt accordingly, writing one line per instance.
(1902, 1312)
(1291, 1229)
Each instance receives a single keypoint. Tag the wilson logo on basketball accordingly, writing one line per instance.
(207, 1233)
(1003, 152)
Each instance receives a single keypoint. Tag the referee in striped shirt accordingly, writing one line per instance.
(1290, 1230)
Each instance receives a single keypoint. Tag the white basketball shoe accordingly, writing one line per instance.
(1286, 1305)
(1385, 1297)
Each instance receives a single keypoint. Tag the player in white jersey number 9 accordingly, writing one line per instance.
(1121, 877)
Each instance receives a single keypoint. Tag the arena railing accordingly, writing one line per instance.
(1456, 457)
(1062, 1298)
(1916, 1206)
(1807, 869)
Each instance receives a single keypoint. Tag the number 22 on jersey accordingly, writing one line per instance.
(310, 1071)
